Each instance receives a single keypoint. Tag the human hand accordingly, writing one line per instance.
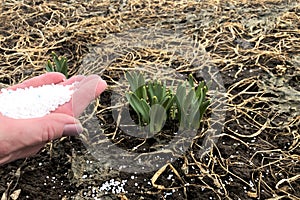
(21, 138)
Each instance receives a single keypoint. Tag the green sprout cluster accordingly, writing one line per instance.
(153, 102)
(60, 65)
(191, 103)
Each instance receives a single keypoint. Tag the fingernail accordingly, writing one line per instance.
(72, 129)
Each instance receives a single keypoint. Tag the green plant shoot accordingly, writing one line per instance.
(60, 65)
(191, 103)
(153, 102)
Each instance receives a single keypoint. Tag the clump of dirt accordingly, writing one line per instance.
(252, 44)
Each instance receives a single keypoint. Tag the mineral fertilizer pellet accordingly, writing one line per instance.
(34, 102)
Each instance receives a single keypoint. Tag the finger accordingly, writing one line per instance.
(45, 79)
(87, 79)
(94, 83)
(20, 133)
(67, 108)
(56, 125)
(73, 79)
(72, 129)
(87, 90)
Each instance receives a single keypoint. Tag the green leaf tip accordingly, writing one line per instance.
(60, 64)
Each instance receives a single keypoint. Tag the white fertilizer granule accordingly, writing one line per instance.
(34, 102)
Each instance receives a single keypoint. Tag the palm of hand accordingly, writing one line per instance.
(20, 138)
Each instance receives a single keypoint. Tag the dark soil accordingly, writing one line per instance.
(253, 44)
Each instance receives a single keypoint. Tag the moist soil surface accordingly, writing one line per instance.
(248, 48)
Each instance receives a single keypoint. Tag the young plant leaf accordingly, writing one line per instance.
(191, 80)
(158, 117)
(60, 65)
(49, 67)
(145, 109)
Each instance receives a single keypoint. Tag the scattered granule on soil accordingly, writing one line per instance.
(114, 186)
(34, 102)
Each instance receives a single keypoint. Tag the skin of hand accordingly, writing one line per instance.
(20, 138)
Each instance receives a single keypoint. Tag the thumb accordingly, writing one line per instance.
(56, 125)
(15, 134)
